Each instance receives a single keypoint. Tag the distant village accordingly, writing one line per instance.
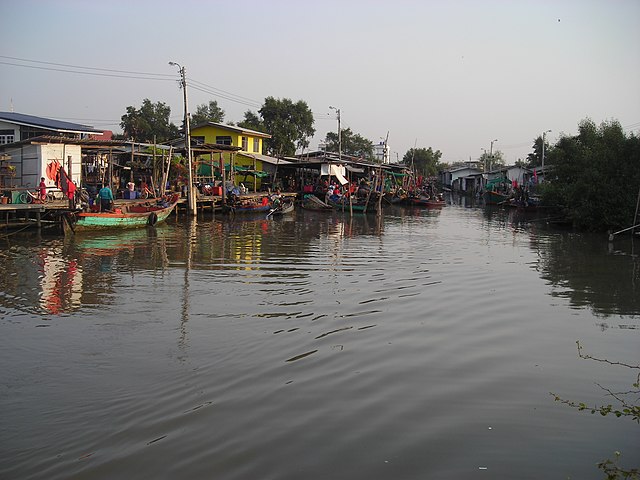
(222, 155)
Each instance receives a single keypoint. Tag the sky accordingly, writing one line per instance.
(450, 75)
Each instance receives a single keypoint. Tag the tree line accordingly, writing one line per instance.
(593, 176)
(290, 124)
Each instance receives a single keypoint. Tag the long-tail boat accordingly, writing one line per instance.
(125, 216)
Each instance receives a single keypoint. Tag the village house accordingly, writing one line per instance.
(465, 179)
(35, 143)
(513, 173)
(251, 167)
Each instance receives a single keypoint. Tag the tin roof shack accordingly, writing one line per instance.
(312, 166)
(35, 143)
(465, 179)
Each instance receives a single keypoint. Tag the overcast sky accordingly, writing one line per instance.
(451, 75)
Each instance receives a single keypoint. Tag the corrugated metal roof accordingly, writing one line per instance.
(265, 158)
(233, 128)
(46, 123)
(85, 142)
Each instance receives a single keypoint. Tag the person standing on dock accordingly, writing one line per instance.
(106, 198)
(42, 190)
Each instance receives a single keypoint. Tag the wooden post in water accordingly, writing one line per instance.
(373, 187)
(72, 201)
(635, 217)
(379, 211)
(131, 179)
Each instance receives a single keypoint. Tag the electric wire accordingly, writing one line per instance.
(203, 85)
(95, 74)
(86, 68)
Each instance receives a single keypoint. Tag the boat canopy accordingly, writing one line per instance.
(497, 181)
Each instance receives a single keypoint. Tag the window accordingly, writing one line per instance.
(197, 139)
(224, 140)
(6, 136)
(256, 145)
(245, 144)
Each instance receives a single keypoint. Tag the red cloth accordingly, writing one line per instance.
(71, 190)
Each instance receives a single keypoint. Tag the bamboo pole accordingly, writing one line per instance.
(379, 212)
(635, 217)
(611, 235)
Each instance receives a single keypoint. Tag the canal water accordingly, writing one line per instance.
(425, 344)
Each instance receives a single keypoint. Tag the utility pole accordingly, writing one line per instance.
(491, 153)
(543, 135)
(339, 134)
(191, 194)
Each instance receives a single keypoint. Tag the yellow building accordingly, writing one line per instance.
(248, 162)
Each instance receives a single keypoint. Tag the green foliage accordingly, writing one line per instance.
(151, 119)
(521, 163)
(424, 160)
(351, 144)
(624, 408)
(207, 113)
(594, 176)
(492, 160)
(614, 472)
(534, 159)
(289, 124)
(253, 122)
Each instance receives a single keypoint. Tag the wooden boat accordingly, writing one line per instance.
(424, 201)
(495, 192)
(357, 207)
(126, 216)
(286, 206)
(311, 202)
(434, 203)
(492, 197)
(243, 206)
(395, 198)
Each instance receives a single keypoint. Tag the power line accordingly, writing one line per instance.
(95, 74)
(226, 97)
(516, 145)
(85, 68)
(222, 92)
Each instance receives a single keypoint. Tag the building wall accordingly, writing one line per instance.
(210, 133)
(31, 163)
(5, 128)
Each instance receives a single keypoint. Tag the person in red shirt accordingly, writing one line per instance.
(42, 189)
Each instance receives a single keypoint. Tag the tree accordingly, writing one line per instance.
(424, 160)
(207, 113)
(151, 119)
(595, 176)
(534, 159)
(289, 124)
(351, 144)
(252, 121)
(492, 161)
(521, 163)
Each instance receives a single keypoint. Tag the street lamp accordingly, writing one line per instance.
(491, 152)
(543, 135)
(339, 133)
(187, 139)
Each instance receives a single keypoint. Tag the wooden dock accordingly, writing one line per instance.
(31, 215)
(21, 216)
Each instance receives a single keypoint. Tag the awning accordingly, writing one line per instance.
(355, 169)
(335, 171)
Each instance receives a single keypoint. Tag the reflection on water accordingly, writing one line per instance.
(422, 344)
